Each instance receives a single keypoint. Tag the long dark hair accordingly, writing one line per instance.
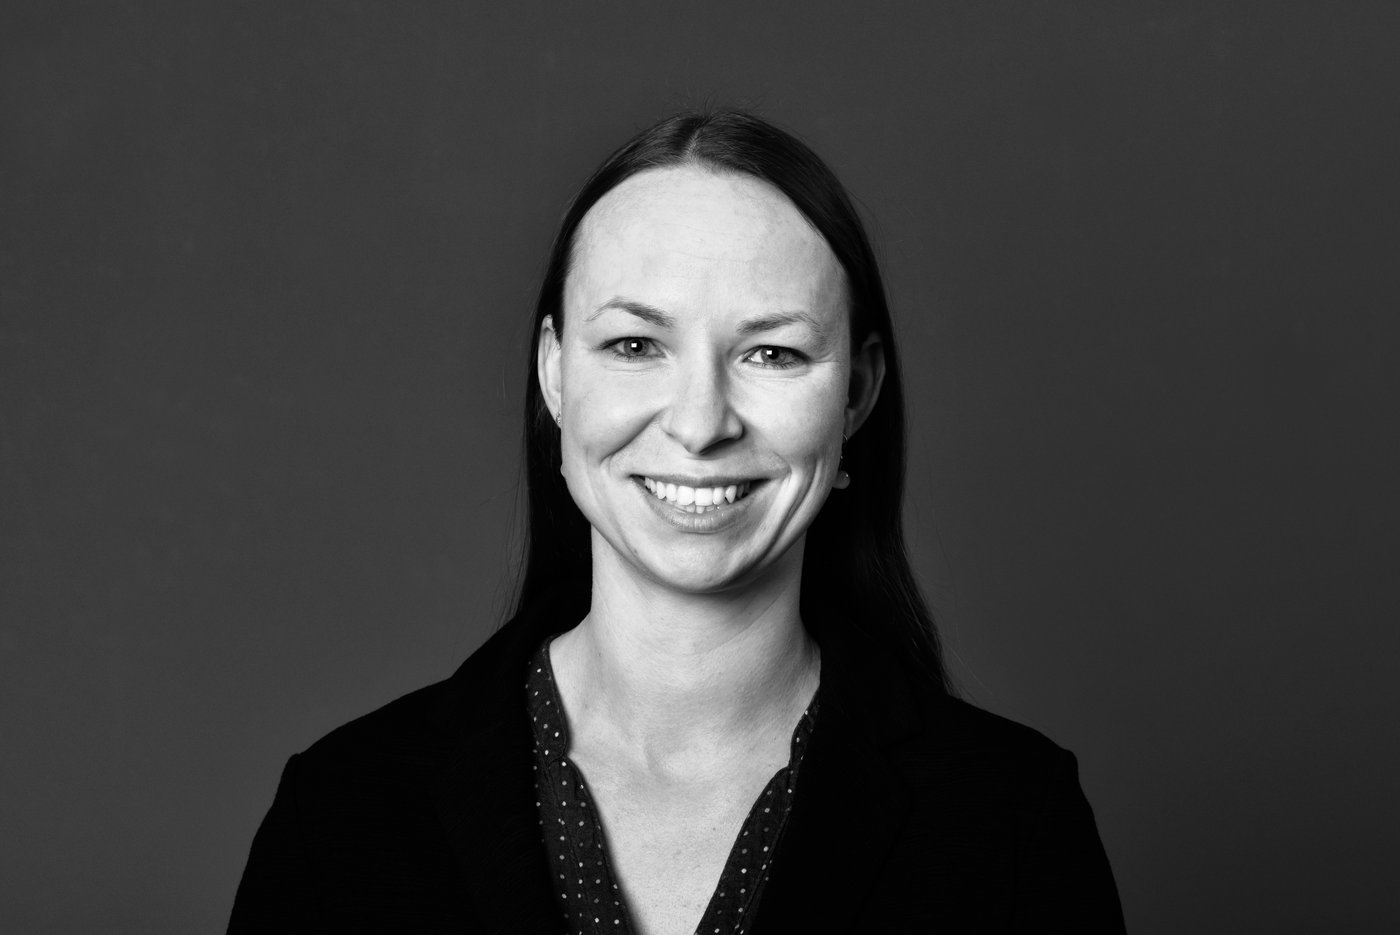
(855, 569)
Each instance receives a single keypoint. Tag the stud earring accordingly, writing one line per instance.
(843, 477)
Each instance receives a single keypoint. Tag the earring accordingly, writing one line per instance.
(559, 419)
(843, 477)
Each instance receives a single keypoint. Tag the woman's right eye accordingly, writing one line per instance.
(631, 348)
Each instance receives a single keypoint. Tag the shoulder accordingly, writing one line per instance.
(923, 717)
(486, 692)
(369, 778)
(1006, 801)
(958, 725)
(356, 825)
(376, 784)
(990, 826)
(985, 760)
(400, 725)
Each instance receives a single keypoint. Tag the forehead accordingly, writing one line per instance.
(695, 239)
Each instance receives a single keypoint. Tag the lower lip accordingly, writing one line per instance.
(714, 520)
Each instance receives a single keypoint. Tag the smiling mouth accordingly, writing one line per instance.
(697, 499)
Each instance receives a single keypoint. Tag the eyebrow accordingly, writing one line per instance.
(655, 316)
(777, 320)
(647, 313)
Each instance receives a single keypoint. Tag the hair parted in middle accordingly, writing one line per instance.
(856, 570)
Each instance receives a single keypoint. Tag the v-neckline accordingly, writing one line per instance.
(582, 872)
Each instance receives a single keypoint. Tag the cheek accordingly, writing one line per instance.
(805, 428)
(603, 415)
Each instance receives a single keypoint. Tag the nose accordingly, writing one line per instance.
(700, 414)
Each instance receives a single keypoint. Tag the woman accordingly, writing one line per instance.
(720, 705)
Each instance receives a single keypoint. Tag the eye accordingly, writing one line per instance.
(631, 348)
(778, 358)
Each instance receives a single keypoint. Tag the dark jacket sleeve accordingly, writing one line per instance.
(277, 891)
(1063, 878)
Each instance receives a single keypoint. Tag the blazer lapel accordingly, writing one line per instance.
(849, 803)
(484, 792)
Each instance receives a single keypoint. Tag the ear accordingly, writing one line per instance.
(548, 366)
(867, 376)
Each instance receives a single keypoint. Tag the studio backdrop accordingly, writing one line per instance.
(266, 272)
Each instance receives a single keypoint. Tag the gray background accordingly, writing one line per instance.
(264, 282)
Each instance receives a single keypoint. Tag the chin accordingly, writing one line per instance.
(689, 581)
(694, 572)
(703, 572)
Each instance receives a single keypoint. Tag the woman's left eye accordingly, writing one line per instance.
(777, 357)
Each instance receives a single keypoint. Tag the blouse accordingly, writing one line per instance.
(584, 884)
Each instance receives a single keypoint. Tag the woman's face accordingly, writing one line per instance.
(705, 375)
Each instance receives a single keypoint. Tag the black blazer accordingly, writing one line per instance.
(915, 813)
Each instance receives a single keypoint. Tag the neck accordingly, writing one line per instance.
(675, 678)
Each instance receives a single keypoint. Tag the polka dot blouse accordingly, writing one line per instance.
(584, 886)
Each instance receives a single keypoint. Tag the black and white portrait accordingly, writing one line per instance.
(745, 468)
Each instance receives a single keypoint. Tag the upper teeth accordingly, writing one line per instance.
(697, 496)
